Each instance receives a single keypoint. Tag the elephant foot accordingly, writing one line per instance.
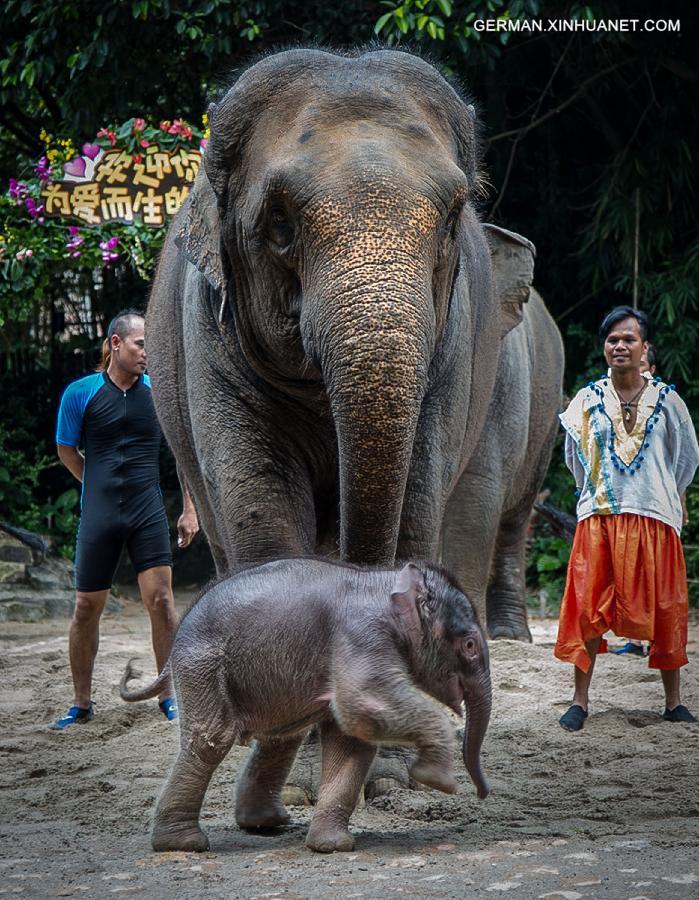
(301, 788)
(510, 632)
(328, 837)
(186, 836)
(379, 787)
(434, 775)
(251, 816)
(388, 772)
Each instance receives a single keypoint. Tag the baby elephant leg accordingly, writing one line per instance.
(176, 820)
(344, 764)
(258, 802)
(399, 714)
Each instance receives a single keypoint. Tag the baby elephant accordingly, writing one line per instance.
(274, 649)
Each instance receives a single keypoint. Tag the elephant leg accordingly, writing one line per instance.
(258, 802)
(345, 762)
(469, 534)
(176, 820)
(390, 770)
(301, 788)
(387, 713)
(506, 600)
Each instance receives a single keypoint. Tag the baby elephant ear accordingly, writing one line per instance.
(199, 234)
(513, 270)
(408, 591)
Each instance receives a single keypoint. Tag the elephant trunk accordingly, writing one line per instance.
(478, 701)
(374, 355)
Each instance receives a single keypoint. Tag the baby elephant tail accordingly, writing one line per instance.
(162, 682)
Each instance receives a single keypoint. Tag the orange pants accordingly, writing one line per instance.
(626, 574)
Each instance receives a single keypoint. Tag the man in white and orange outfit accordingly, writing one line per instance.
(631, 445)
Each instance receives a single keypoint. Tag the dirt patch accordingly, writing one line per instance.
(612, 812)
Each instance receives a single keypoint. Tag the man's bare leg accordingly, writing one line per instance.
(156, 592)
(674, 710)
(583, 679)
(83, 641)
(574, 718)
(671, 683)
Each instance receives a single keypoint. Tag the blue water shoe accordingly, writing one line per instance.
(168, 707)
(75, 714)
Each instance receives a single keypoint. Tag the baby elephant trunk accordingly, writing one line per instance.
(478, 702)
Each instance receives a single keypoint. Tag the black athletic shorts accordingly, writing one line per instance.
(99, 547)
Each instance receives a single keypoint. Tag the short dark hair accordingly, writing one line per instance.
(652, 356)
(618, 314)
(122, 323)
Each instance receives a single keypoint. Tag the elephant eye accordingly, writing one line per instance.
(280, 227)
(452, 220)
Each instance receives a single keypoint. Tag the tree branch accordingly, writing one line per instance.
(521, 132)
(535, 113)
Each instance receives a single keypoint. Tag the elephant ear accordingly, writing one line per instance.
(513, 270)
(408, 596)
(199, 236)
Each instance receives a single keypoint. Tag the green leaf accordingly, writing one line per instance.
(445, 6)
(382, 21)
(4, 475)
(546, 563)
(432, 29)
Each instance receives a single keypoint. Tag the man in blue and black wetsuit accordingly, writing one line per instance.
(110, 414)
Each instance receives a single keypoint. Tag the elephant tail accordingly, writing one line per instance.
(162, 682)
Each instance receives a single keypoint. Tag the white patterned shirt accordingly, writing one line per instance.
(645, 471)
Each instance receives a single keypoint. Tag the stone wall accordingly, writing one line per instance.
(35, 585)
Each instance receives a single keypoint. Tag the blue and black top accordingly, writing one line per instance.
(120, 435)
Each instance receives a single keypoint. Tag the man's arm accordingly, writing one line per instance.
(72, 459)
(188, 523)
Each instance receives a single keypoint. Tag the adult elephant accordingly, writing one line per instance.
(325, 327)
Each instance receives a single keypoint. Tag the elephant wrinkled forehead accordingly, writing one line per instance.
(349, 118)
(347, 143)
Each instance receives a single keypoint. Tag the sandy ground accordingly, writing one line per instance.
(611, 812)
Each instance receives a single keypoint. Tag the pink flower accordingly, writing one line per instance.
(165, 125)
(137, 158)
(138, 125)
(21, 255)
(43, 169)
(75, 241)
(18, 190)
(144, 143)
(106, 133)
(108, 250)
(202, 144)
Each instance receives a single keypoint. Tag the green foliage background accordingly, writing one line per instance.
(589, 150)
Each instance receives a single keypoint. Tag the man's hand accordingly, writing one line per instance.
(72, 459)
(187, 527)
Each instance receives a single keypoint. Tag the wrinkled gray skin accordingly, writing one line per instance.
(485, 524)
(293, 643)
(325, 330)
